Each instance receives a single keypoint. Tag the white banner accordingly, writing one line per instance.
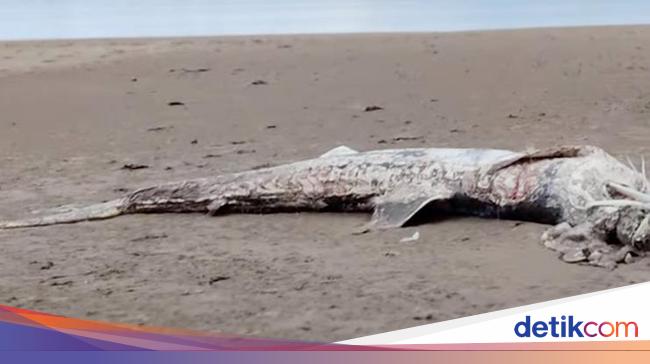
(615, 314)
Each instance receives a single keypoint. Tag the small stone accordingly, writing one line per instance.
(373, 108)
(216, 279)
(159, 128)
(195, 70)
(133, 166)
(407, 138)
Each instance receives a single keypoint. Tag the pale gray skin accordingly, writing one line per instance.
(573, 187)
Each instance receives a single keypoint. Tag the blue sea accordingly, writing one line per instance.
(48, 19)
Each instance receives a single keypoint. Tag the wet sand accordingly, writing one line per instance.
(74, 113)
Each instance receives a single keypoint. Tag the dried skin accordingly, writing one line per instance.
(554, 186)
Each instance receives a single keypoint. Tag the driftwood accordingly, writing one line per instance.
(598, 204)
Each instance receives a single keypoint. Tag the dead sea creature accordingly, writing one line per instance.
(600, 206)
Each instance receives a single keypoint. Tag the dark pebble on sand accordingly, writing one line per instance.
(133, 166)
(407, 138)
(149, 237)
(216, 279)
(373, 108)
(428, 317)
(261, 166)
(195, 70)
(159, 128)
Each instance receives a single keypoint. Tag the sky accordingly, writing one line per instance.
(61, 19)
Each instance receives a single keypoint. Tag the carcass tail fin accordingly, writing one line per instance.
(100, 211)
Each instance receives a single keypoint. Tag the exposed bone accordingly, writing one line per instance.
(619, 203)
(629, 161)
(630, 192)
(643, 173)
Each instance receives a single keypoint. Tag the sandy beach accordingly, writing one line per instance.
(75, 113)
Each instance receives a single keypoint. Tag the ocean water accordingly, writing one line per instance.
(47, 19)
